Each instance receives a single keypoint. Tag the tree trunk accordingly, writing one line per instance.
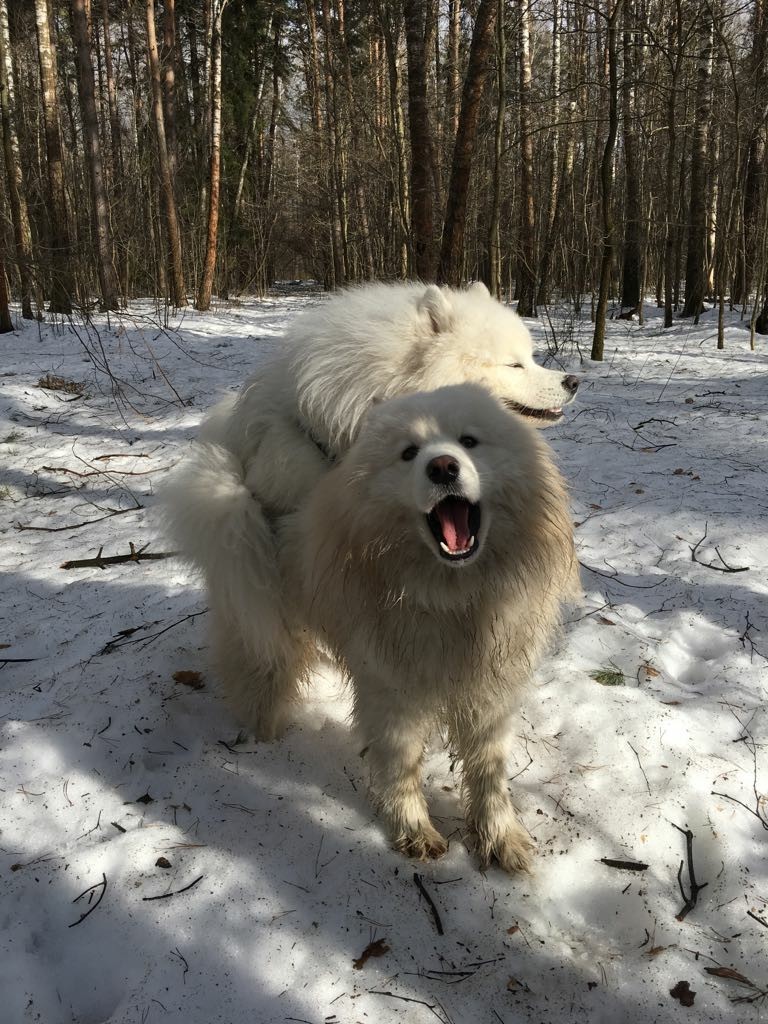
(631, 272)
(6, 323)
(62, 284)
(453, 86)
(422, 147)
(168, 72)
(336, 157)
(478, 70)
(108, 283)
(214, 180)
(17, 198)
(554, 202)
(696, 258)
(526, 272)
(494, 241)
(391, 35)
(175, 268)
(674, 33)
(754, 178)
(606, 182)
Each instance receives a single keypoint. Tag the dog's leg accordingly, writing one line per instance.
(261, 685)
(480, 741)
(394, 747)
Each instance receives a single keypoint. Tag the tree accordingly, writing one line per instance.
(214, 186)
(175, 269)
(422, 147)
(450, 269)
(92, 147)
(17, 197)
(631, 282)
(526, 272)
(606, 183)
(696, 261)
(62, 281)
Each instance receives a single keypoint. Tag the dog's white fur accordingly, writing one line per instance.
(362, 346)
(424, 638)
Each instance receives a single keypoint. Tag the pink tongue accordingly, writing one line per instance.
(454, 522)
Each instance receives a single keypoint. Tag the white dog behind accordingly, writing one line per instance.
(431, 560)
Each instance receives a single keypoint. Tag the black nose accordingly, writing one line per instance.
(571, 383)
(443, 470)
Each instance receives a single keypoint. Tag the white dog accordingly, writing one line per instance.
(301, 411)
(362, 346)
(431, 561)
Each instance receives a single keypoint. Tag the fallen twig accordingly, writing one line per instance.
(647, 783)
(167, 895)
(624, 865)
(734, 975)
(121, 639)
(134, 555)
(91, 889)
(77, 526)
(615, 578)
(430, 902)
(734, 800)
(691, 900)
(710, 565)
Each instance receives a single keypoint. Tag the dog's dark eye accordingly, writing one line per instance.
(515, 366)
(410, 453)
(467, 441)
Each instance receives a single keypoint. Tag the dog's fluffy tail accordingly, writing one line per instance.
(221, 529)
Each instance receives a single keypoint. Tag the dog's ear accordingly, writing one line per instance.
(434, 303)
(479, 289)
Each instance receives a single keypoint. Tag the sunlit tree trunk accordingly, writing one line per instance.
(175, 268)
(606, 182)
(696, 259)
(526, 274)
(92, 148)
(17, 198)
(214, 178)
(62, 284)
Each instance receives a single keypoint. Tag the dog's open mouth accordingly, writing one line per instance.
(455, 524)
(550, 415)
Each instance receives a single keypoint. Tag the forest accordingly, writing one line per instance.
(588, 152)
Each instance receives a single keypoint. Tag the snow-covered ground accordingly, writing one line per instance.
(239, 883)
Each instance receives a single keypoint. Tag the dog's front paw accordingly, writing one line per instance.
(510, 847)
(424, 843)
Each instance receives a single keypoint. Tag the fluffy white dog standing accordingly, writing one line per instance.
(263, 452)
(431, 560)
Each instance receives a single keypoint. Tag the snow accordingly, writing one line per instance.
(286, 871)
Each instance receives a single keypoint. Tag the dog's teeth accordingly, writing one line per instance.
(471, 542)
(445, 548)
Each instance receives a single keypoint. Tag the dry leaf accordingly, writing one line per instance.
(514, 984)
(162, 862)
(650, 671)
(683, 993)
(377, 948)
(605, 622)
(513, 930)
(729, 972)
(189, 678)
